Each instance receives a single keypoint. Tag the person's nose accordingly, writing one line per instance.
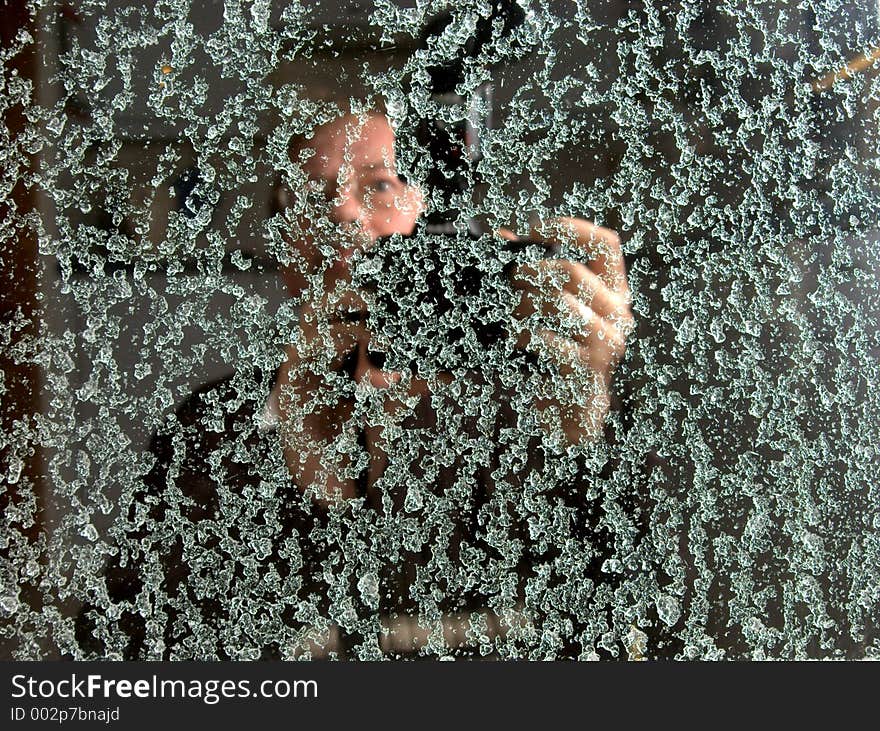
(346, 208)
(349, 211)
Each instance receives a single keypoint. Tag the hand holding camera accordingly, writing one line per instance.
(556, 304)
(576, 313)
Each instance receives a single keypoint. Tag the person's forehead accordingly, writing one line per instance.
(368, 141)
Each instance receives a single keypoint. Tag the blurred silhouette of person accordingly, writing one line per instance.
(266, 499)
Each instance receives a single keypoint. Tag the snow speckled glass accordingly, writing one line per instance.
(271, 388)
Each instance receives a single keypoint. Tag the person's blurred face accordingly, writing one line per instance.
(354, 185)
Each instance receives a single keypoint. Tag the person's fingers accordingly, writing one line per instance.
(506, 233)
(590, 329)
(580, 338)
(382, 379)
(601, 246)
(582, 367)
(577, 279)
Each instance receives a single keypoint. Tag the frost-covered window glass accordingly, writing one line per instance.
(420, 328)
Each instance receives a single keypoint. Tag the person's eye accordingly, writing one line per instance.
(379, 185)
(383, 187)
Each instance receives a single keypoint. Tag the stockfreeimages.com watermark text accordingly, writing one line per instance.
(208, 691)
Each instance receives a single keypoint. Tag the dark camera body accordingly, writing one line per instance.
(443, 302)
(442, 299)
